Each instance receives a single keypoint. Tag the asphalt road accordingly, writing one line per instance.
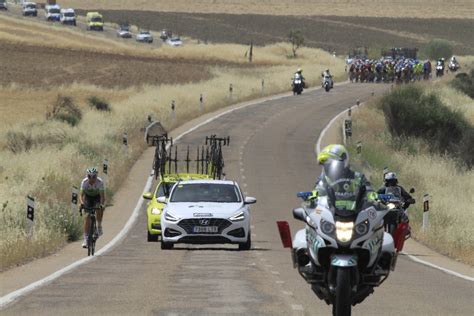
(272, 157)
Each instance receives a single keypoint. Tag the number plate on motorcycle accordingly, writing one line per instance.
(205, 229)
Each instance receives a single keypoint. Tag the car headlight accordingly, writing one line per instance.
(362, 228)
(240, 216)
(156, 211)
(327, 227)
(344, 231)
(171, 217)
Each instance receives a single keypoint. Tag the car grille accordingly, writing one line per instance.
(188, 224)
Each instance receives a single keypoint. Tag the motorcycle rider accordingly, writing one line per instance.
(299, 74)
(92, 194)
(327, 74)
(334, 159)
(391, 181)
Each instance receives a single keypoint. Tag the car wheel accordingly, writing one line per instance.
(152, 238)
(166, 245)
(246, 245)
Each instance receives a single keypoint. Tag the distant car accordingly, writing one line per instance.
(174, 41)
(144, 37)
(29, 8)
(3, 5)
(124, 31)
(68, 16)
(206, 212)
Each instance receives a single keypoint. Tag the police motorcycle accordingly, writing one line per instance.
(327, 83)
(440, 68)
(297, 84)
(344, 251)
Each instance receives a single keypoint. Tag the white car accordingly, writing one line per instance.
(3, 5)
(124, 32)
(68, 16)
(206, 212)
(52, 12)
(144, 36)
(29, 8)
(174, 41)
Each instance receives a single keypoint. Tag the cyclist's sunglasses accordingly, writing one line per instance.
(92, 177)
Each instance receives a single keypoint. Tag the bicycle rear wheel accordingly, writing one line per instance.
(90, 238)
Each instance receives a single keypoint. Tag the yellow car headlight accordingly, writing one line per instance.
(156, 211)
(344, 231)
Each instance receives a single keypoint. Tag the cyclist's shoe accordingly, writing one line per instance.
(99, 231)
(84, 244)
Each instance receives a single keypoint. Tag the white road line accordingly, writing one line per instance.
(317, 149)
(280, 282)
(275, 272)
(297, 307)
(287, 293)
(10, 297)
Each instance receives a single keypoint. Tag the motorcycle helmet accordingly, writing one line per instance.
(334, 152)
(299, 70)
(390, 179)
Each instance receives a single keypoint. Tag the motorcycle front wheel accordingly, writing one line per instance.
(342, 303)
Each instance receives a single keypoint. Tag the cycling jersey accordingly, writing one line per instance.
(92, 189)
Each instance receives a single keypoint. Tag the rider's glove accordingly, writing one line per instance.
(102, 206)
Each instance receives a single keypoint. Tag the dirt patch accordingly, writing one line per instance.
(37, 66)
(333, 33)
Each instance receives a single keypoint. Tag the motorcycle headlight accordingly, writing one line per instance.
(327, 227)
(362, 228)
(155, 211)
(240, 216)
(171, 217)
(344, 231)
(391, 206)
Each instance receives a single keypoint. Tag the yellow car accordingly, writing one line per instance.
(154, 208)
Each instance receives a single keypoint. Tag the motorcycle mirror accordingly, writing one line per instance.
(303, 195)
(299, 214)
(412, 190)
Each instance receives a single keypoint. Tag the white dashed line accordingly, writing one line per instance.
(244, 185)
(275, 272)
(280, 282)
(287, 293)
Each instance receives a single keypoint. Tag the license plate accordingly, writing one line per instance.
(205, 229)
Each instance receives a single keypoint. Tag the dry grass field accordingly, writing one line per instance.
(374, 8)
(332, 33)
(451, 223)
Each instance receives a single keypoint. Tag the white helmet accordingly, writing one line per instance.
(391, 178)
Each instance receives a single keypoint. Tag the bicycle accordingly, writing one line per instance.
(161, 155)
(216, 159)
(92, 235)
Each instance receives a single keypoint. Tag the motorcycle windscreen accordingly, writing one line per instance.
(343, 187)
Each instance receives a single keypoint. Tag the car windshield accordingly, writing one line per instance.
(145, 33)
(69, 14)
(30, 6)
(96, 19)
(164, 189)
(124, 28)
(54, 10)
(206, 192)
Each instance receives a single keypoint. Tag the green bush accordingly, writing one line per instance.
(410, 112)
(65, 110)
(464, 83)
(99, 104)
(438, 48)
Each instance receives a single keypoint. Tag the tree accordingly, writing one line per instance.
(296, 39)
(438, 48)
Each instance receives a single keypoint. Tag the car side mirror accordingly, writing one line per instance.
(412, 190)
(148, 196)
(162, 199)
(250, 200)
(299, 214)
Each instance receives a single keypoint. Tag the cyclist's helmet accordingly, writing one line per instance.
(299, 70)
(390, 179)
(91, 172)
(334, 152)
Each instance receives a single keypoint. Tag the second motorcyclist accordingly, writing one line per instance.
(326, 75)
